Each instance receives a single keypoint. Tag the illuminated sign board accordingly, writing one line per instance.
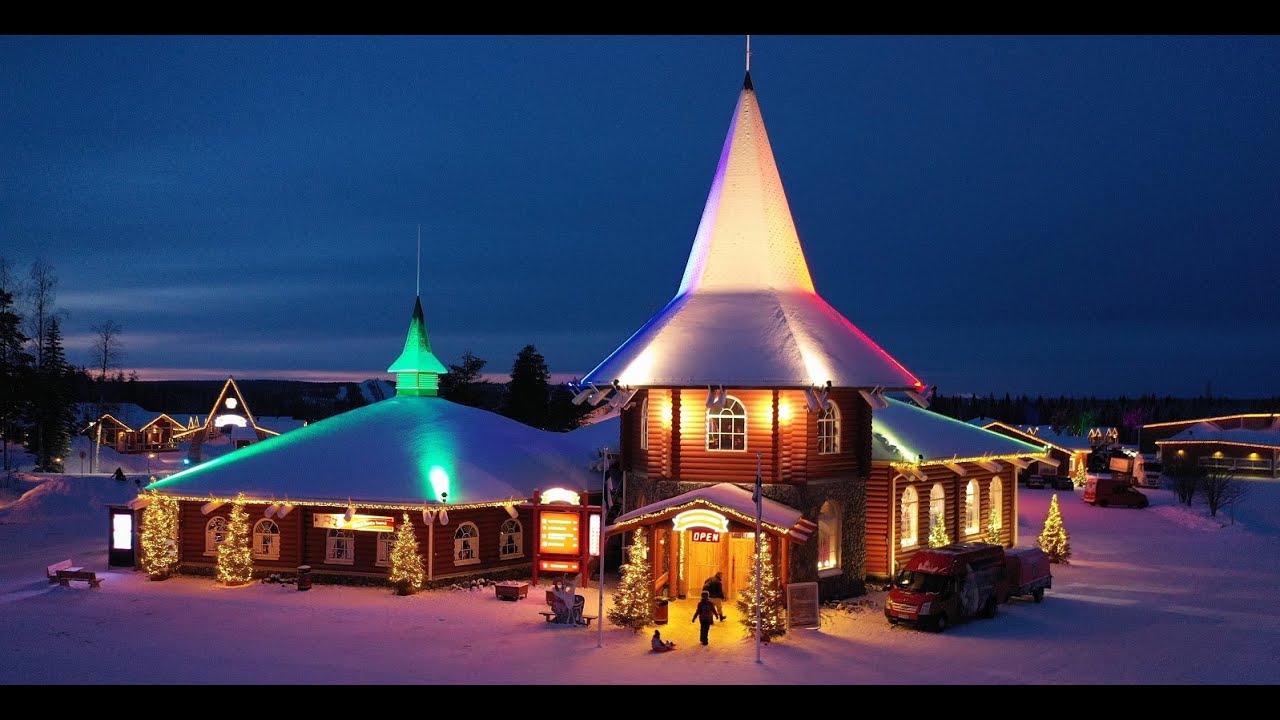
(704, 535)
(370, 523)
(564, 566)
(122, 531)
(559, 533)
(593, 536)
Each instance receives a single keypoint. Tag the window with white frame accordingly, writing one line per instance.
(997, 503)
(466, 544)
(937, 505)
(644, 424)
(727, 427)
(510, 540)
(340, 547)
(215, 533)
(829, 536)
(384, 542)
(266, 540)
(971, 507)
(909, 518)
(829, 430)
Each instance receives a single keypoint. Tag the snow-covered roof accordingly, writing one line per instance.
(1211, 432)
(903, 432)
(404, 450)
(746, 313)
(725, 498)
(1064, 440)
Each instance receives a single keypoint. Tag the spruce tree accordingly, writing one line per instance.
(633, 601)
(17, 366)
(159, 542)
(528, 392)
(235, 554)
(773, 619)
(1054, 540)
(52, 412)
(407, 573)
(993, 530)
(938, 531)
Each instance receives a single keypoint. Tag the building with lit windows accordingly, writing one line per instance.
(1247, 444)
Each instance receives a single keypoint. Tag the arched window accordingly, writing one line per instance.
(909, 518)
(828, 536)
(971, 507)
(727, 427)
(510, 540)
(937, 505)
(266, 540)
(829, 430)
(215, 532)
(997, 503)
(466, 544)
(385, 541)
(644, 424)
(340, 547)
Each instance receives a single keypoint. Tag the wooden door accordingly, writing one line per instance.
(742, 547)
(701, 562)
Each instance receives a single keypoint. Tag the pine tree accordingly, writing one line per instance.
(52, 412)
(938, 531)
(1054, 539)
(17, 366)
(773, 620)
(235, 555)
(160, 536)
(993, 530)
(407, 573)
(529, 390)
(633, 601)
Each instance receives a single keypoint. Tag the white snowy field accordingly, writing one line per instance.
(1160, 596)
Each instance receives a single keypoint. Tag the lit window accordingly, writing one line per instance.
(266, 540)
(971, 507)
(937, 506)
(510, 540)
(215, 533)
(997, 503)
(828, 536)
(644, 424)
(727, 427)
(340, 547)
(829, 430)
(466, 550)
(909, 518)
(385, 541)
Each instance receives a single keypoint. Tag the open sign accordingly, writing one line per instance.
(704, 535)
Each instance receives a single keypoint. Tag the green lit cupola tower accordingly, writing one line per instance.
(417, 369)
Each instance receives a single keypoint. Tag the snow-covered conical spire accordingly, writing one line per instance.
(417, 369)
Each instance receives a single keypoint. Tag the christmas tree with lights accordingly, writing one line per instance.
(773, 619)
(993, 530)
(235, 555)
(407, 573)
(633, 601)
(1054, 540)
(938, 531)
(159, 540)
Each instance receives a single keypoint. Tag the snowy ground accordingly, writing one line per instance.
(1164, 595)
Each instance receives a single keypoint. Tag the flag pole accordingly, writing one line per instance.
(759, 505)
(604, 508)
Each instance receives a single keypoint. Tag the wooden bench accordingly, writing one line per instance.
(53, 570)
(586, 619)
(550, 616)
(66, 576)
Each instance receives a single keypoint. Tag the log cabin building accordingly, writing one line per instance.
(749, 376)
(1245, 445)
(329, 495)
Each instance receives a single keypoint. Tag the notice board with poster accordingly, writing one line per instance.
(802, 604)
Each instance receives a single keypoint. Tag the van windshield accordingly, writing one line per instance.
(913, 581)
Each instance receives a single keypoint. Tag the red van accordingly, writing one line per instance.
(1108, 492)
(944, 585)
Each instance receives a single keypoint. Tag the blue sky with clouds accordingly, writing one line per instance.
(1027, 214)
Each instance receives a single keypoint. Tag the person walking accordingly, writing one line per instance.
(705, 613)
(715, 590)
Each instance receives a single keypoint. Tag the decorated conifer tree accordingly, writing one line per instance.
(159, 541)
(633, 601)
(1054, 540)
(235, 555)
(407, 574)
(993, 530)
(938, 531)
(773, 619)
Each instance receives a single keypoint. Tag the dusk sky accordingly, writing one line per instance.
(1079, 215)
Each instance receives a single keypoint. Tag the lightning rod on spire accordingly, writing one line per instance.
(748, 53)
(417, 290)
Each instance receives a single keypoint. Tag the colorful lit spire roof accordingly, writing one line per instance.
(417, 369)
(746, 313)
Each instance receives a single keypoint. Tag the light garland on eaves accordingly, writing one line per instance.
(1218, 442)
(357, 503)
(976, 459)
(676, 510)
